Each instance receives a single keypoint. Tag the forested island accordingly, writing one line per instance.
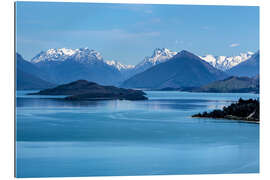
(84, 90)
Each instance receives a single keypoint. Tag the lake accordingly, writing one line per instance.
(58, 138)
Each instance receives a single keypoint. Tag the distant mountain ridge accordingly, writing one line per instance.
(119, 66)
(226, 62)
(163, 54)
(82, 55)
(159, 55)
(85, 55)
(220, 62)
(250, 67)
(53, 58)
(65, 65)
(182, 70)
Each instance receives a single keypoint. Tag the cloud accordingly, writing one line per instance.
(234, 45)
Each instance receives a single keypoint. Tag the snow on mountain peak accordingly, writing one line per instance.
(161, 51)
(66, 51)
(159, 55)
(119, 66)
(226, 62)
(250, 53)
(82, 55)
(86, 55)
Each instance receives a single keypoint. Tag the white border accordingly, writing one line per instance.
(7, 88)
(198, 2)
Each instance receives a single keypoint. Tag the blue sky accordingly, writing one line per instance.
(129, 32)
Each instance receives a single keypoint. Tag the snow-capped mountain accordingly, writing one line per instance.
(226, 62)
(220, 62)
(159, 55)
(83, 55)
(65, 65)
(181, 71)
(119, 66)
(250, 67)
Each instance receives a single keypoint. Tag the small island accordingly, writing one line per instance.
(247, 110)
(84, 90)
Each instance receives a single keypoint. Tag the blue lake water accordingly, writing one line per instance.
(57, 138)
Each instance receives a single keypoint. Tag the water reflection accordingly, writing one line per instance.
(178, 104)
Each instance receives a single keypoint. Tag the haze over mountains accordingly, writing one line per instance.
(56, 66)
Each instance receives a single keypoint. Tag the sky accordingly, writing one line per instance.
(129, 32)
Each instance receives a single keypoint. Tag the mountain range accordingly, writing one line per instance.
(159, 55)
(250, 67)
(66, 65)
(226, 62)
(182, 70)
(56, 66)
(163, 54)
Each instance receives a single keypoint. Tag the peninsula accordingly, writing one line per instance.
(247, 110)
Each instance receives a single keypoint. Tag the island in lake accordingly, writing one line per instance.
(85, 90)
(247, 110)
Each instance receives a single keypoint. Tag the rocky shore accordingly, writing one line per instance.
(247, 110)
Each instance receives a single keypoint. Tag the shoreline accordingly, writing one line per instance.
(235, 120)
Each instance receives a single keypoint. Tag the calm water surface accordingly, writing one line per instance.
(107, 138)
